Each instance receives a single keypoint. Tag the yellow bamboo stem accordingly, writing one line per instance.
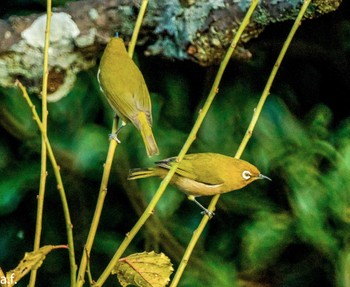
(43, 172)
(60, 186)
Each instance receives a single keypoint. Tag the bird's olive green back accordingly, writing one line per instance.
(213, 169)
(203, 167)
(123, 83)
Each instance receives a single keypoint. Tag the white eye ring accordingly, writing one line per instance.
(246, 174)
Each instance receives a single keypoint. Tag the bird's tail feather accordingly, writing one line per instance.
(137, 173)
(147, 135)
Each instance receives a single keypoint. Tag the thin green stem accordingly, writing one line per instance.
(271, 78)
(43, 172)
(88, 272)
(60, 186)
(98, 210)
(138, 24)
(343, 268)
(107, 167)
(197, 233)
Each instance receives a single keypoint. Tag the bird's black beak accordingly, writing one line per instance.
(261, 176)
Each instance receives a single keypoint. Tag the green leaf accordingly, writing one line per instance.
(147, 269)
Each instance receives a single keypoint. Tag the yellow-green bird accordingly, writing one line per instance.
(204, 174)
(125, 89)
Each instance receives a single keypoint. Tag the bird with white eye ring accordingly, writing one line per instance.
(204, 174)
(246, 174)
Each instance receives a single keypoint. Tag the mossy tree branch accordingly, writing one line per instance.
(200, 32)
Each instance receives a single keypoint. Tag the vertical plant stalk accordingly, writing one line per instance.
(271, 78)
(197, 233)
(60, 186)
(136, 31)
(99, 206)
(192, 136)
(342, 266)
(43, 171)
(107, 166)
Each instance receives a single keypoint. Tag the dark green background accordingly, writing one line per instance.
(293, 231)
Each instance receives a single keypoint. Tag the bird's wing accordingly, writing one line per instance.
(195, 167)
(127, 91)
(123, 107)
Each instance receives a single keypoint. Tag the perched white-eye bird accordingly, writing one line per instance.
(125, 89)
(204, 174)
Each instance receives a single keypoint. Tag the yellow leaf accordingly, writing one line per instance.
(31, 261)
(147, 269)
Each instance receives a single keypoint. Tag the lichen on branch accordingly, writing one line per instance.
(196, 30)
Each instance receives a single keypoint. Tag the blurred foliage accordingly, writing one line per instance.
(293, 231)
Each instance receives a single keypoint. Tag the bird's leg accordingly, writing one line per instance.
(205, 210)
(115, 135)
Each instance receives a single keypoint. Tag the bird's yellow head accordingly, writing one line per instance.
(115, 48)
(246, 173)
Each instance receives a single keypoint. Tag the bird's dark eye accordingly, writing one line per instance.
(246, 174)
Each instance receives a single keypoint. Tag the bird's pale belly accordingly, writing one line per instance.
(195, 188)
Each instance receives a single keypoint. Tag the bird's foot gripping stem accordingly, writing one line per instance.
(115, 135)
(206, 211)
